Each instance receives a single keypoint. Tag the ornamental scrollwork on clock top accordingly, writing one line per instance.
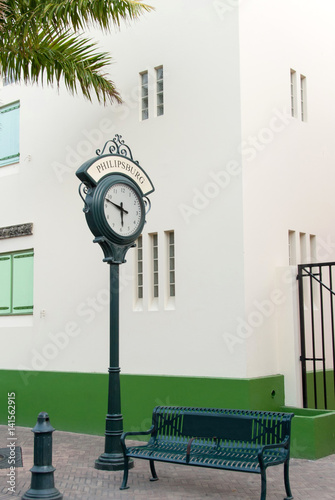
(117, 147)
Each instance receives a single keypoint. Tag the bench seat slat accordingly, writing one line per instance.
(246, 459)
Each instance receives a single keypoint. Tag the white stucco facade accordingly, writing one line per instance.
(233, 174)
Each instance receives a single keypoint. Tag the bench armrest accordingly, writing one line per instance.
(136, 433)
(284, 444)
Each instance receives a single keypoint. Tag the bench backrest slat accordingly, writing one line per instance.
(248, 426)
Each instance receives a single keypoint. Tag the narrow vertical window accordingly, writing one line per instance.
(171, 264)
(144, 96)
(292, 248)
(303, 248)
(303, 98)
(9, 134)
(154, 250)
(293, 77)
(140, 268)
(312, 242)
(159, 91)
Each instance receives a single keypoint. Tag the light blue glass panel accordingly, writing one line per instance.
(9, 134)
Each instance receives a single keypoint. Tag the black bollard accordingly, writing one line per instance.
(42, 479)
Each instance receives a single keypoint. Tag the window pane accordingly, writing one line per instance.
(145, 103)
(155, 268)
(159, 92)
(139, 268)
(144, 96)
(171, 264)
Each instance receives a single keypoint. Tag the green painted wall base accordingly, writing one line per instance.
(77, 402)
(313, 433)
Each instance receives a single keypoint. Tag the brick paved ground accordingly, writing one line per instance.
(76, 478)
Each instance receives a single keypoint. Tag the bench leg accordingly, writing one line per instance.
(125, 475)
(153, 471)
(263, 478)
(287, 481)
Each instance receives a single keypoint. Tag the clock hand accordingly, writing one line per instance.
(120, 207)
(122, 210)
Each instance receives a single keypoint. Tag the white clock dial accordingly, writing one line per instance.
(122, 209)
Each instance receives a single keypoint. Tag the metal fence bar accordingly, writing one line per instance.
(332, 320)
(302, 336)
(313, 337)
(323, 341)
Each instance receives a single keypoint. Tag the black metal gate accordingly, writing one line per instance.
(316, 307)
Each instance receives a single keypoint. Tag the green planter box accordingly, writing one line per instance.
(313, 433)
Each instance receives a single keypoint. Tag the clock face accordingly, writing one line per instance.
(122, 209)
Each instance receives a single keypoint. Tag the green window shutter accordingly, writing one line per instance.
(5, 284)
(9, 134)
(23, 266)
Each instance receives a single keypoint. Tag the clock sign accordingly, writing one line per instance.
(124, 209)
(115, 209)
(114, 189)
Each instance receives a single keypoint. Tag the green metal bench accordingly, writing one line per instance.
(241, 440)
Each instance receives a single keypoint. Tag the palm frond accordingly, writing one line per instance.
(3, 9)
(48, 58)
(85, 12)
(77, 14)
(39, 42)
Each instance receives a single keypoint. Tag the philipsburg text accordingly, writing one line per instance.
(117, 164)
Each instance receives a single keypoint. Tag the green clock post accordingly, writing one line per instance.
(114, 189)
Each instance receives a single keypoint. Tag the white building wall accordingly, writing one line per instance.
(288, 164)
(186, 153)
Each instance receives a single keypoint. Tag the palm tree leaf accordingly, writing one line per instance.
(50, 57)
(37, 42)
(77, 14)
(85, 12)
